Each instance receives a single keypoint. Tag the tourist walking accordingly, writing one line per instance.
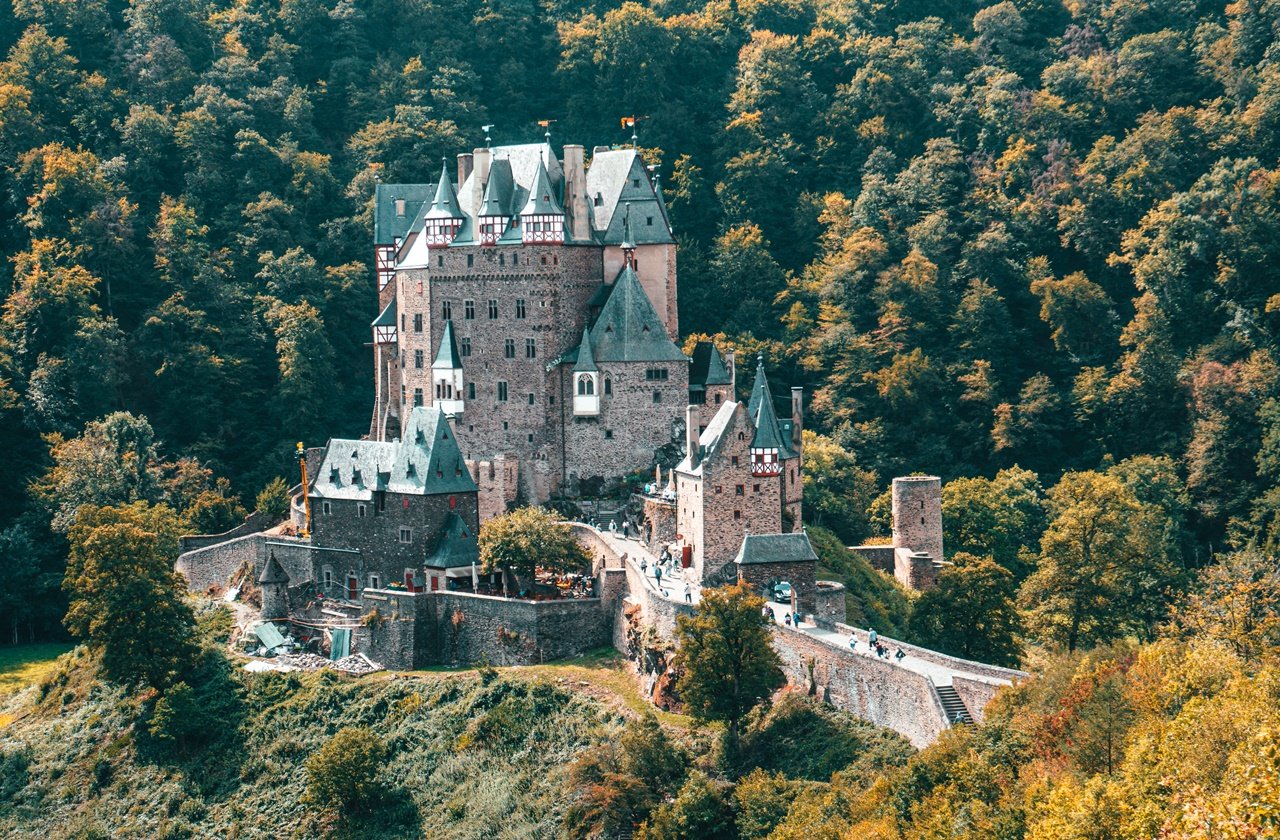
(871, 636)
(688, 594)
(786, 618)
(657, 575)
(613, 526)
(853, 643)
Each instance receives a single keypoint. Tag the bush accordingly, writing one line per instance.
(343, 774)
(274, 499)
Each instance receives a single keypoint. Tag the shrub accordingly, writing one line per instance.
(343, 774)
(274, 499)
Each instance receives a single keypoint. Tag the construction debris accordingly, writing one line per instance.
(357, 664)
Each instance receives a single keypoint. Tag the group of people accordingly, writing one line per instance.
(875, 646)
(667, 561)
(788, 618)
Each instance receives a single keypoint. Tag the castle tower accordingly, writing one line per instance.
(542, 218)
(917, 529)
(444, 218)
(274, 584)
(446, 374)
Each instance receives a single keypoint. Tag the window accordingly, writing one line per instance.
(657, 396)
(608, 387)
(328, 577)
(531, 399)
(656, 374)
(400, 207)
(471, 390)
(635, 182)
(469, 310)
(520, 309)
(737, 514)
(375, 582)
(755, 488)
(608, 434)
(509, 348)
(417, 322)
(360, 511)
(530, 348)
(327, 508)
(381, 501)
(502, 259)
(586, 387)
(733, 460)
(471, 260)
(493, 310)
(739, 490)
(417, 396)
(502, 392)
(649, 221)
(598, 200)
(440, 261)
(417, 358)
(530, 438)
(464, 347)
(406, 535)
(718, 488)
(446, 310)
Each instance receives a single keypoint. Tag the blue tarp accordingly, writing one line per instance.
(269, 636)
(340, 644)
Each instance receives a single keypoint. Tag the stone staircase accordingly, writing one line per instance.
(957, 712)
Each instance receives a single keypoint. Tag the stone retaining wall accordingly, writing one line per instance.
(214, 565)
(993, 672)
(879, 556)
(254, 523)
(870, 688)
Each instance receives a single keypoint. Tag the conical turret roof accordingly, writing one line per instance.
(272, 571)
(586, 359)
(447, 357)
(445, 204)
(760, 409)
(542, 199)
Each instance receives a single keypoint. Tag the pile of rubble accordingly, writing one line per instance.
(357, 663)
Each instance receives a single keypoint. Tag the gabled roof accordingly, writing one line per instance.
(388, 226)
(457, 547)
(708, 367)
(628, 329)
(586, 362)
(447, 357)
(776, 548)
(272, 571)
(618, 177)
(722, 425)
(426, 462)
(387, 317)
(445, 204)
(542, 198)
(764, 416)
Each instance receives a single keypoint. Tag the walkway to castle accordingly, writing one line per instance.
(940, 674)
(673, 583)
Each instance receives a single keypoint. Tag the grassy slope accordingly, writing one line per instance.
(470, 758)
(872, 599)
(23, 665)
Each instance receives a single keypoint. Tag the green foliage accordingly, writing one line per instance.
(971, 613)
(727, 664)
(126, 600)
(273, 500)
(836, 491)
(872, 599)
(700, 810)
(529, 538)
(343, 774)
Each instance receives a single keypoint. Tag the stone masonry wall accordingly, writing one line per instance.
(868, 687)
(879, 556)
(475, 628)
(254, 523)
(659, 528)
(976, 694)
(801, 576)
(917, 514)
(214, 565)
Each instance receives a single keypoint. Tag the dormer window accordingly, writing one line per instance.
(400, 207)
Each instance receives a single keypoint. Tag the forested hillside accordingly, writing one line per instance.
(1024, 233)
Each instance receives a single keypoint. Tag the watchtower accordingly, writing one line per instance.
(917, 514)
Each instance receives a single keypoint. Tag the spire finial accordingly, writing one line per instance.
(628, 246)
(488, 141)
(546, 124)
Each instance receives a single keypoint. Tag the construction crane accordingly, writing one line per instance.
(306, 501)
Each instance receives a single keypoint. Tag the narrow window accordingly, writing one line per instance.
(737, 514)
(657, 396)
(733, 460)
(608, 434)
(360, 511)
(755, 488)
(502, 393)
(417, 396)
(471, 260)
(406, 535)
(464, 347)
(531, 399)
(530, 438)
(446, 310)
(520, 309)
(469, 310)
(608, 387)
(471, 390)
(530, 348)
(739, 490)
(509, 348)
(374, 582)
(417, 359)
(327, 508)
(417, 322)
(440, 261)
(493, 310)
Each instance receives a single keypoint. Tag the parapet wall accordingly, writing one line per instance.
(254, 523)
(214, 565)
(993, 672)
(866, 686)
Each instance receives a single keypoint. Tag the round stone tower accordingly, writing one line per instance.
(274, 585)
(917, 514)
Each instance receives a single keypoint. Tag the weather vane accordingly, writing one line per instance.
(546, 124)
(630, 122)
(486, 129)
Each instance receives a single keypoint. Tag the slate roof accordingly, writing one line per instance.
(628, 329)
(387, 226)
(447, 357)
(272, 571)
(585, 362)
(708, 367)
(618, 177)
(426, 462)
(723, 423)
(542, 198)
(776, 548)
(457, 547)
(387, 317)
(765, 416)
(445, 203)
(499, 192)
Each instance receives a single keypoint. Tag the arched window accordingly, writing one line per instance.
(608, 387)
(585, 386)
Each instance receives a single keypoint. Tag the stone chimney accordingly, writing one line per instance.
(797, 418)
(465, 162)
(481, 158)
(691, 434)
(575, 192)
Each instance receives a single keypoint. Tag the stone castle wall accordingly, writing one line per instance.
(917, 514)
(254, 523)
(498, 481)
(879, 556)
(866, 686)
(213, 566)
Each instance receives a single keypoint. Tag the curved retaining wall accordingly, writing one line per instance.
(213, 565)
